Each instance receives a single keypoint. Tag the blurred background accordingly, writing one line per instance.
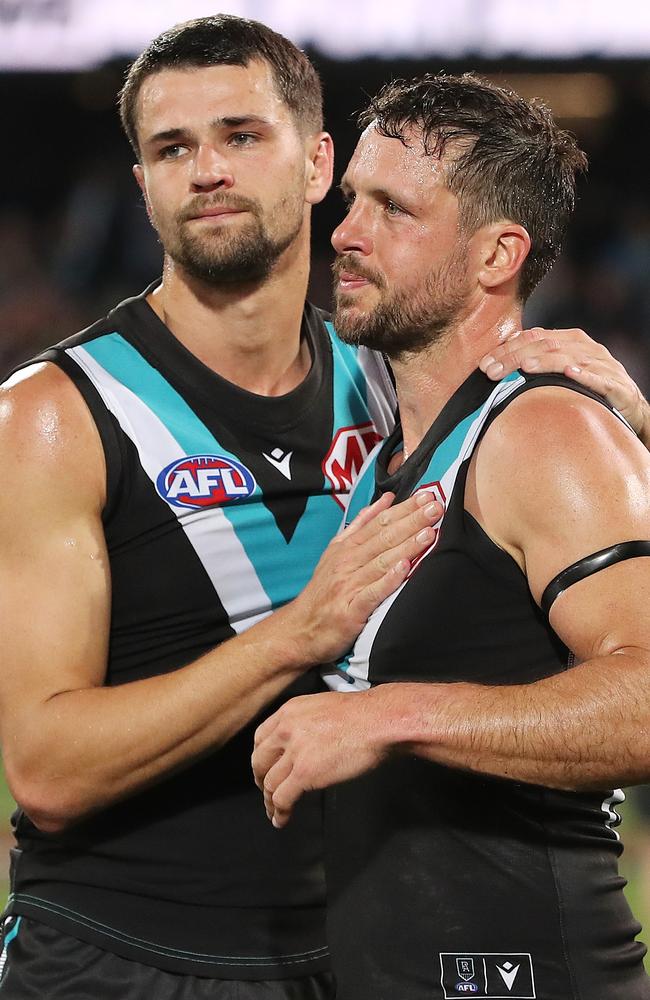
(74, 236)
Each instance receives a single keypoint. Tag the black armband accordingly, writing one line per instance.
(589, 565)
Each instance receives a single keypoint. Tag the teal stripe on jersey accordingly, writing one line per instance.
(318, 524)
(348, 408)
(450, 448)
(362, 493)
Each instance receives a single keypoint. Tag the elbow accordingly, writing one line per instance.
(50, 806)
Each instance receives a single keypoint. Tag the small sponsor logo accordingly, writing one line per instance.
(493, 975)
(508, 973)
(198, 481)
(280, 460)
(348, 451)
(465, 969)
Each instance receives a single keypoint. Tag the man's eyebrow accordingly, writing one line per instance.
(236, 121)
(381, 194)
(229, 121)
(167, 135)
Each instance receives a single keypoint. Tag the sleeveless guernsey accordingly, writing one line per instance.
(220, 503)
(443, 883)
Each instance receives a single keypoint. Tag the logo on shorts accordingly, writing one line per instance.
(487, 974)
(348, 451)
(198, 481)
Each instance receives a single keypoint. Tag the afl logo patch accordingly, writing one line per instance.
(198, 481)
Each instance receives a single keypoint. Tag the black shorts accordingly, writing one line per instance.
(40, 963)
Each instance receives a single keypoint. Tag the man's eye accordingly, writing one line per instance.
(242, 139)
(393, 209)
(348, 201)
(172, 152)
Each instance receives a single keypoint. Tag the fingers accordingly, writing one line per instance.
(604, 382)
(273, 785)
(368, 514)
(274, 768)
(540, 350)
(283, 800)
(383, 534)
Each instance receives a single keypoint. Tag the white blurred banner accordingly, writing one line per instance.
(67, 34)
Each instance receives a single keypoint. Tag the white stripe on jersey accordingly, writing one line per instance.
(209, 531)
(381, 404)
(359, 660)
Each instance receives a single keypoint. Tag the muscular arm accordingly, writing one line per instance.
(572, 482)
(71, 745)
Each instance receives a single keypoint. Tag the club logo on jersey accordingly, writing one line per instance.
(438, 494)
(486, 974)
(198, 481)
(348, 451)
(465, 968)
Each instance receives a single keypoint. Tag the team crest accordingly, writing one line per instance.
(198, 481)
(438, 494)
(348, 451)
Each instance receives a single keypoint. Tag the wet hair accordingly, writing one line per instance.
(231, 41)
(508, 157)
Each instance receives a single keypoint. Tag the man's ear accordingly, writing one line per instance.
(502, 249)
(138, 173)
(320, 167)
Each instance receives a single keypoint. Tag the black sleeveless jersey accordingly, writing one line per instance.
(443, 883)
(220, 503)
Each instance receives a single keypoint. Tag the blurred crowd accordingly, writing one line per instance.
(73, 247)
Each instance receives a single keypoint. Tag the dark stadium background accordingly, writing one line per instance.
(74, 237)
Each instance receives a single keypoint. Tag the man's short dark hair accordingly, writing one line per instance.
(232, 41)
(510, 159)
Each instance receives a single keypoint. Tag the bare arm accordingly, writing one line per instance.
(71, 745)
(576, 482)
(575, 354)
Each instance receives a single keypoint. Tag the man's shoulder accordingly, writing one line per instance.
(551, 417)
(49, 443)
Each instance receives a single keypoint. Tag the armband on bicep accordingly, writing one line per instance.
(589, 565)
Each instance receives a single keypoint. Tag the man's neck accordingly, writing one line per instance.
(248, 334)
(427, 380)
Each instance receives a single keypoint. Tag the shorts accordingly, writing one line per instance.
(40, 963)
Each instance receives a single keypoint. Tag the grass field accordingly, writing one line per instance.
(633, 835)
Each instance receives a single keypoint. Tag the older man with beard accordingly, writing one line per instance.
(503, 687)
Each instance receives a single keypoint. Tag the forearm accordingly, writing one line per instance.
(586, 728)
(92, 746)
(73, 744)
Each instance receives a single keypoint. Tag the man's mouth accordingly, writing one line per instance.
(217, 212)
(349, 281)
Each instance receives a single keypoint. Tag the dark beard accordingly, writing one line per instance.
(403, 322)
(248, 257)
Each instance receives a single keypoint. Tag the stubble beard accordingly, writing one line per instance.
(404, 321)
(248, 255)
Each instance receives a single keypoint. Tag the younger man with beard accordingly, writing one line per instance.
(470, 833)
(172, 475)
